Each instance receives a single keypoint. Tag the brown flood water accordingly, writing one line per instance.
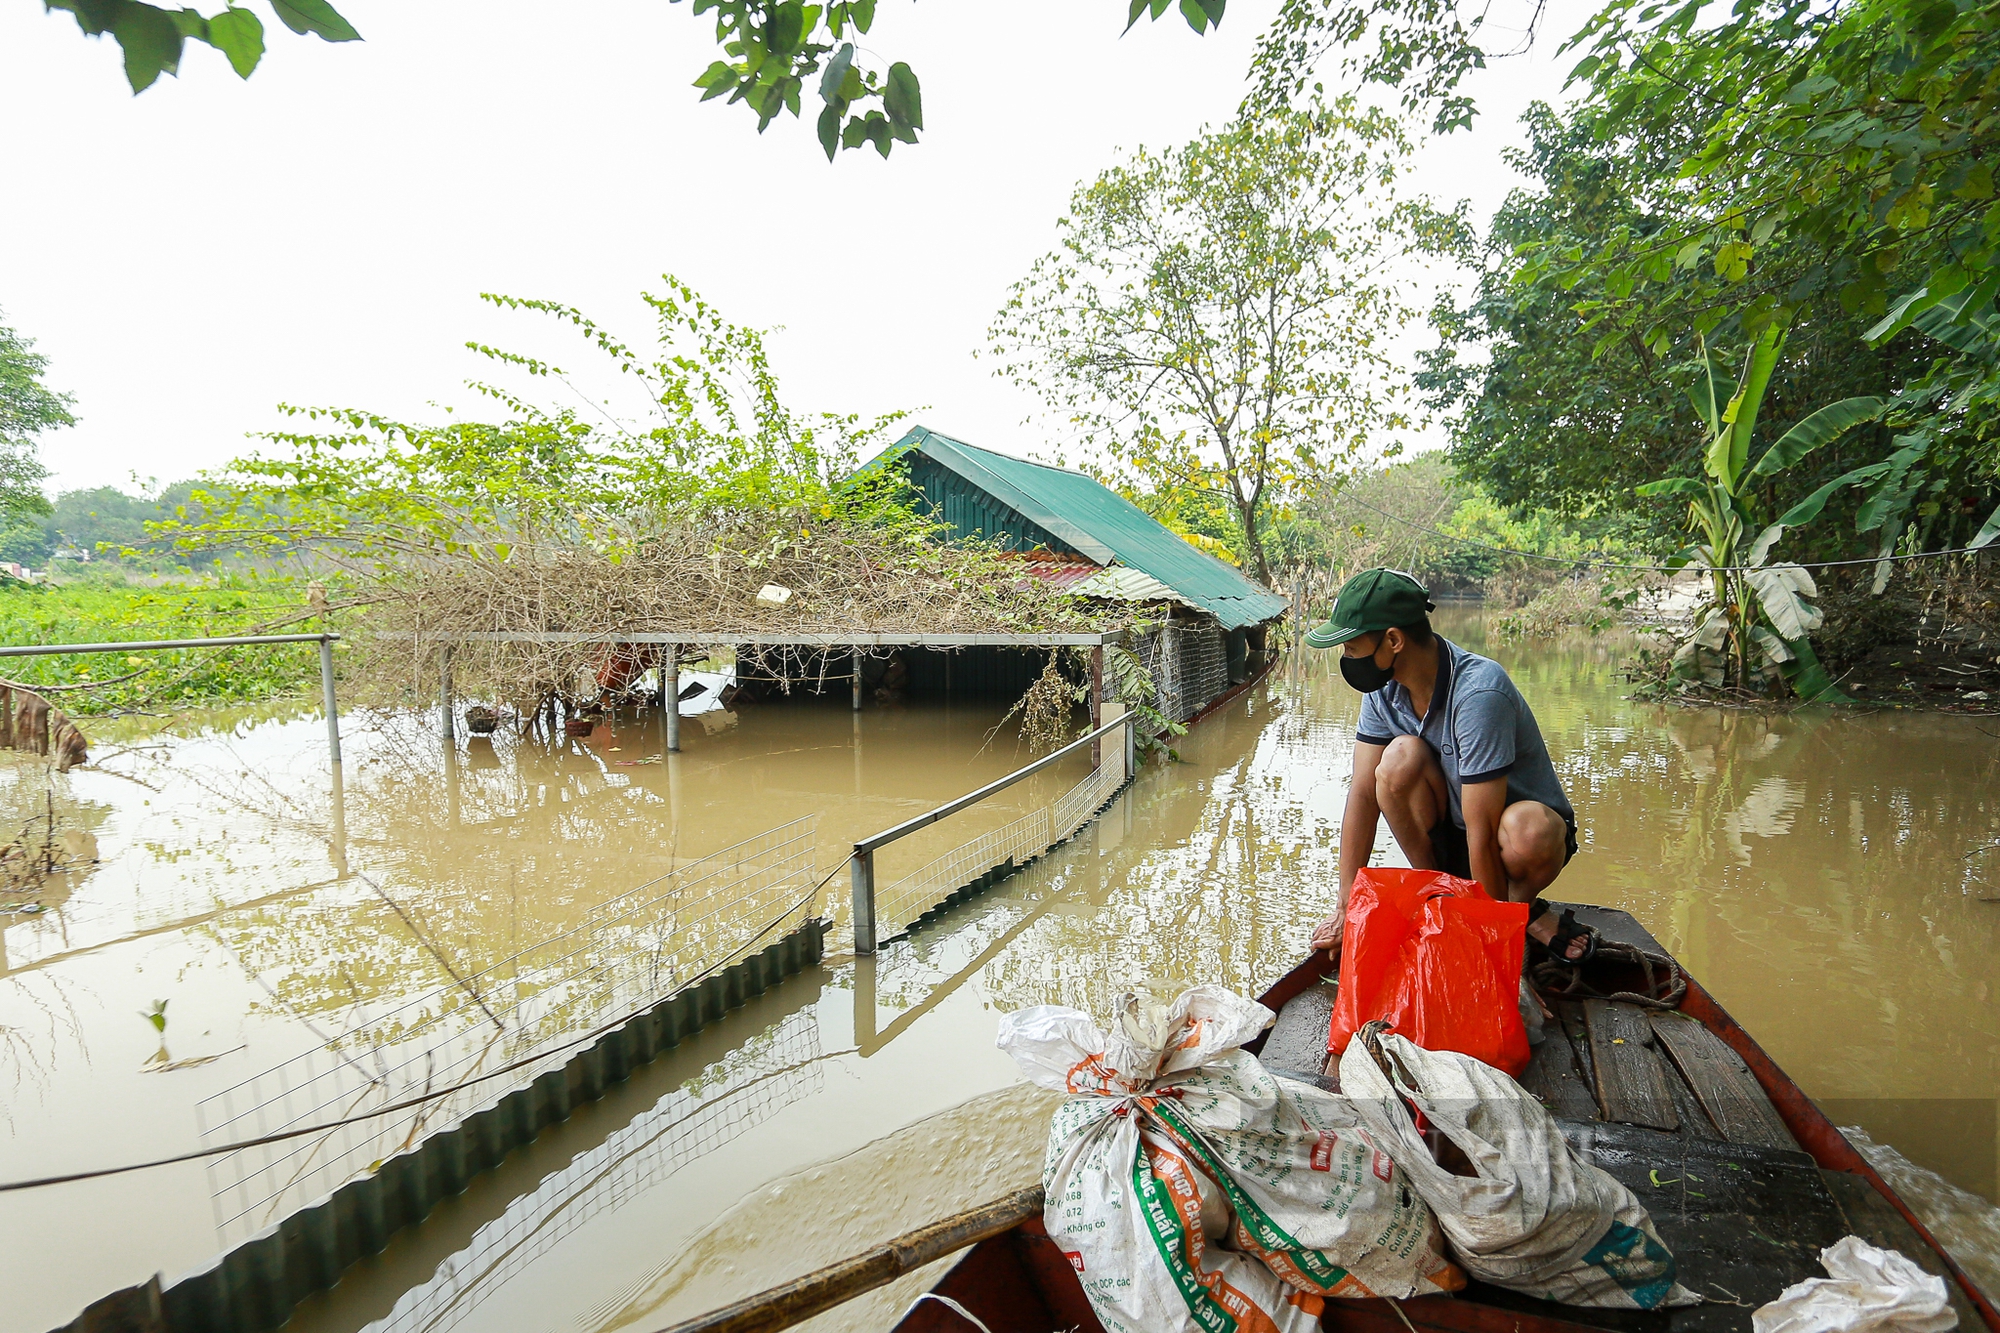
(1820, 874)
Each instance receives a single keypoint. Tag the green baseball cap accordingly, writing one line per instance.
(1375, 599)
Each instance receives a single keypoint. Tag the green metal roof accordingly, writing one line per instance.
(1099, 523)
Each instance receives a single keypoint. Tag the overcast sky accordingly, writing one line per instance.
(193, 256)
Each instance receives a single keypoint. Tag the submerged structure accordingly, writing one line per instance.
(1207, 619)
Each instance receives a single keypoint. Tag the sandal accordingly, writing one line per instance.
(1567, 931)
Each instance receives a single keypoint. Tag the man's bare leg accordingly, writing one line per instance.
(1409, 787)
(1534, 841)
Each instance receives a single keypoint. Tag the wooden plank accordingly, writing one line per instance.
(1693, 1116)
(1875, 1220)
(1555, 1077)
(1631, 1084)
(1725, 1085)
(1297, 1041)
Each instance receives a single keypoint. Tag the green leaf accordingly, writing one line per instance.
(191, 23)
(1775, 650)
(150, 40)
(1989, 532)
(1672, 486)
(717, 79)
(1766, 539)
(903, 100)
(786, 31)
(829, 130)
(1822, 427)
(315, 16)
(1962, 321)
(1711, 389)
(1201, 15)
(1906, 309)
(1749, 399)
(238, 34)
(830, 81)
(1808, 509)
(863, 14)
(1808, 678)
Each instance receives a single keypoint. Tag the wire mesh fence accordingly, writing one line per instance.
(757, 1080)
(633, 951)
(999, 851)
(1016, 843)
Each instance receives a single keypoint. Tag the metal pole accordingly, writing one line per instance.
(857, 680)
(864, 1004)
(1096, 705)
(673, 693)
(446, 728)
(339, 830)
(143, 645)
(332, 709)
(863, 882)
(1131, 743)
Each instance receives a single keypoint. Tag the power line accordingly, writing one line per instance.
(1575, 562)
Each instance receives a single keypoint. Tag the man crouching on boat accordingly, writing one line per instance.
(1448, 749)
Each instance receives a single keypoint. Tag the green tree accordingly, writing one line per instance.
(1540, 417)
(1822, 154)
(1839, 152)
(1215, 317)
(707, 436)
(28, 407)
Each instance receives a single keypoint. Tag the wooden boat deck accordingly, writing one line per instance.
(1665, 1101)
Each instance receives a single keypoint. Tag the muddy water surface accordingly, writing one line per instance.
(1822, 875)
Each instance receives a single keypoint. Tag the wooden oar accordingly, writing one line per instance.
(822, 1289)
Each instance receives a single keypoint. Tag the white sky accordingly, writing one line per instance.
(193, 256)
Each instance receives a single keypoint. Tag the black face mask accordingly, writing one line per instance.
(1364, 675)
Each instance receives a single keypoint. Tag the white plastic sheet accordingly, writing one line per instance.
(1534, 1218)
(1869, 1291)
(1193, 1190)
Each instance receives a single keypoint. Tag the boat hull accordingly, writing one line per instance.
(1019, 1282)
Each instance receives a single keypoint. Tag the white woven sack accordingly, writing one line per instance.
(1536, 1218)
(1193, 1190)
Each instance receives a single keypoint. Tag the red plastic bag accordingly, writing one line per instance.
(1437, 958)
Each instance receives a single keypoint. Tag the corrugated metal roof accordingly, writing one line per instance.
(1098, 522)
(1122, 583)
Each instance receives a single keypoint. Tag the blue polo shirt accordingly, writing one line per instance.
(1479, 727)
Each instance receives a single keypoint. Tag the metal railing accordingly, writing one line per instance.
(325, 639)
(1001, 840)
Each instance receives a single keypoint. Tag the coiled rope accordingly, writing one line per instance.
(1665, 984)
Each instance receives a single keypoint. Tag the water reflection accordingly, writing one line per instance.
(778, 1067)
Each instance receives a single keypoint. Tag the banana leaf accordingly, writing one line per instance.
(1822, 427)
(1808, 678)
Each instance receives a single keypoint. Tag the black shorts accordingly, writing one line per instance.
(1454, 857)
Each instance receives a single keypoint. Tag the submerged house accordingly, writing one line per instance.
(1079, 534)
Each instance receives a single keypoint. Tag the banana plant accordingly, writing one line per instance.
(1759, 615)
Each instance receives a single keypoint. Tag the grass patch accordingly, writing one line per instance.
(111, 609)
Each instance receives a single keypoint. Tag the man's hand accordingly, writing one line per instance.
(1328, 935)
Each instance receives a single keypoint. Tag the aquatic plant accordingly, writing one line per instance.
(1759, 613)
